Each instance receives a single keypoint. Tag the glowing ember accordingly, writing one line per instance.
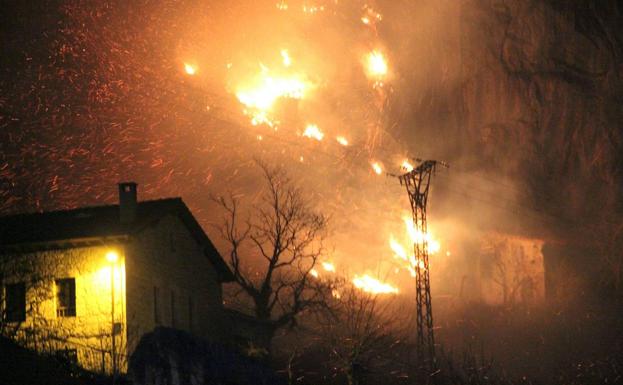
(328, 266)
(190, 69)
(376, 64)
(312, 131)
(336, 294)
(287, 61)
(342, 140)
(314, 273)
(311, 9)
(407, 166)
(397, 248)
(372, 285)
(376, 166)
(365, 20)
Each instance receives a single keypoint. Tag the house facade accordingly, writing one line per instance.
(88, 283)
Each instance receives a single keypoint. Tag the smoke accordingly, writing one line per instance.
(97, 93)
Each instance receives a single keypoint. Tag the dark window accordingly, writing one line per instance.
(156, 307)
(16, 302)
(172, 309)
(66, 297)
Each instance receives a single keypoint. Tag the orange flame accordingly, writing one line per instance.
(328, 266)
(406, 165)
(259, 93)
(190, 69)
(372, 285)
(376, 65)
(312, 131)
(342, 140)
(376, 166)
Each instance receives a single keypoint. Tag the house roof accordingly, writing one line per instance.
(102, 222)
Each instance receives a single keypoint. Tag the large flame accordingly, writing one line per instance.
(413, 237)
(260, 93)
(372, 285)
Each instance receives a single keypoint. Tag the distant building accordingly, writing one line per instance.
(494, 268)
(511, 270)
(88, 283)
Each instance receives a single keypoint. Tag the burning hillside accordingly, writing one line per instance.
(182, 97)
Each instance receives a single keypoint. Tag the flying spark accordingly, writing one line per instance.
(342, 140)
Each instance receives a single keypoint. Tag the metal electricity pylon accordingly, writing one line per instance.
(417, 182)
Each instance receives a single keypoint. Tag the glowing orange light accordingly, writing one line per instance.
(190, 69)
(287, 61)
(328, 266)
(376, 166)
(259, 93)
(314, 273)
(407, 166)
(342, 140)
(336, 294)
(372, 285)
(112, 256)
(376, 65)
(312, 131)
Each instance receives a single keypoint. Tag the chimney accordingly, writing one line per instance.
(127, 202)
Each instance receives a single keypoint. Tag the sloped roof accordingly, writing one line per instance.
(102, 222)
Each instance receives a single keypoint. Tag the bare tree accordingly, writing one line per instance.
(273, 251)
(361, 332)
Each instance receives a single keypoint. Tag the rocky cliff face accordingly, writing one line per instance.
(542, 92)
(528, 94)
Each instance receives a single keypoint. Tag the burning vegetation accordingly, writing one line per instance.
(186, 97)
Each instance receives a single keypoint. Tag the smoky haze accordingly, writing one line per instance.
(98, 93)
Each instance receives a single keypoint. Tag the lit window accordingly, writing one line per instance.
(66, 297)
(15, 302)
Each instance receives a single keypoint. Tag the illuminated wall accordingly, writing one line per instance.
(88, 332)
(161, 277)
(511, 270)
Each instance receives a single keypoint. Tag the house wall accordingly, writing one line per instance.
(511, 270)
(165, 256)
(89, 331)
